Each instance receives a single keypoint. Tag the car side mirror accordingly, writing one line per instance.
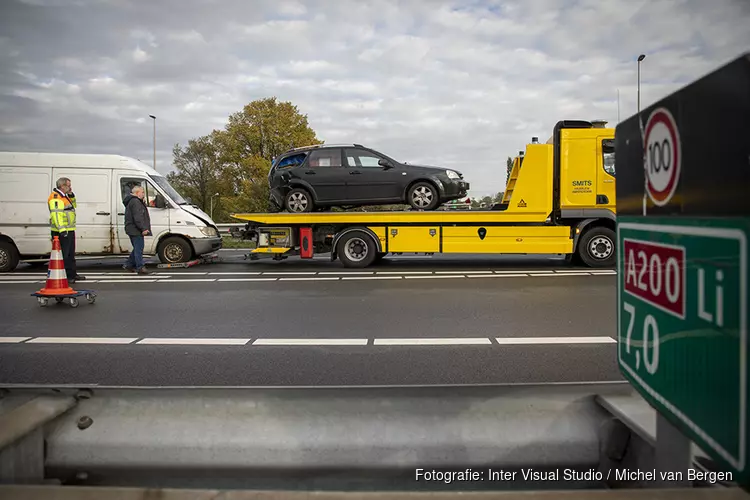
(385, 164)
(160, 202)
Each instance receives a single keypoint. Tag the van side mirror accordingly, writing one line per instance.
(385, 163)
(160, 202)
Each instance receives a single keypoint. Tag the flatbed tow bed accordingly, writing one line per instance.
(559, 199)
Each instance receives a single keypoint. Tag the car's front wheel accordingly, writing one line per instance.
(423, 196)
(299, 200)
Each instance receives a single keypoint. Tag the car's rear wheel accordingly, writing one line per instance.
(299, 200)
(357, 249)
(423, 196)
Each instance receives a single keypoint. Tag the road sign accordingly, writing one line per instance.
(683, 219)
(682, 322)
(663, 156)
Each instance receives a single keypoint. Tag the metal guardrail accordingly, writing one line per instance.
(225, 229)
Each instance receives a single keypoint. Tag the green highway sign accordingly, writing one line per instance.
(682, 324)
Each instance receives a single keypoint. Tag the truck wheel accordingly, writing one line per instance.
(298, 200)
(423, 196)
(357, 249)
(597, 247)
(173, 250)
(8, 256)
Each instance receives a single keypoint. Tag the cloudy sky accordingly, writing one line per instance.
(454, 83)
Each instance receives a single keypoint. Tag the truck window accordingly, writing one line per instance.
(608, 156)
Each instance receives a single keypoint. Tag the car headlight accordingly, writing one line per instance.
(209, 231)
(452, 174)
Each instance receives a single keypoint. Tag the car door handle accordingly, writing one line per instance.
(355, 172)
(102, 213)
(310, 172)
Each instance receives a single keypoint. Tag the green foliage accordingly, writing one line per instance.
(508, 167)
(235, 161)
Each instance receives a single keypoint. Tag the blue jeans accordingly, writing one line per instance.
(135, 259)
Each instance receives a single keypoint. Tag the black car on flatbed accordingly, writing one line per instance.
(323, 176)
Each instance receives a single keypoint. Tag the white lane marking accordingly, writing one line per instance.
(12, 340)
(133, 277)
(290, 273)
(204, 341)
(236, 274)
(130, 281)
(463, 272)
(342, 273)
(20, 282)
(518, 271)
(404, 272)
(434, 341)
(315, 278)
(21, 277)
(82, 340)
(310, 342)
(184, 273)
(593, 271)
(439, 276)
(555, 340)
(534, 275)
(198, 280)
(498, 276)
(245, 279)
(371, 277)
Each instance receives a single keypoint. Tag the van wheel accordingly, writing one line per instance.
(423, 196)
(357, 249)
(8, 256)
(596, 247)
(173, 250)
(298, 200)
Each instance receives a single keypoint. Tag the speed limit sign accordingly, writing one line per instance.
(663, 155)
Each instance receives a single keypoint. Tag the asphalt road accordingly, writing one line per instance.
(238, 323)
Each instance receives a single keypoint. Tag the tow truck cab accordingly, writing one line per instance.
(559, 199)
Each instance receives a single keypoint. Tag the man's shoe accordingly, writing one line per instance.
(145, 272)
(131, 269)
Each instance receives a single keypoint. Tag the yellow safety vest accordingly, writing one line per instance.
(62, 212)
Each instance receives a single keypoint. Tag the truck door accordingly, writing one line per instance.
(94, 212)
(605, 184)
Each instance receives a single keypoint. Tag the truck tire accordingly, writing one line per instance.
(8, 256)
(596, 247)
(423, 196)
(173, 250)
(299, 201)
(356, 249)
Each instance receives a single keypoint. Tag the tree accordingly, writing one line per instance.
(498, 197)
(508, 167)
(198, 170)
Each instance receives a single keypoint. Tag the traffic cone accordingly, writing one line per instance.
(57, 280)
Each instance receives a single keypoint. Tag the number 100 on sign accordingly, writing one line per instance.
(654, 280)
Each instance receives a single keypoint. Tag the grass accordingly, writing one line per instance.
(229, 242)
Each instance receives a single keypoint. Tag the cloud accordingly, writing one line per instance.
(456, 83)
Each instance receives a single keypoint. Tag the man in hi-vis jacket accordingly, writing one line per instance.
(62, 218)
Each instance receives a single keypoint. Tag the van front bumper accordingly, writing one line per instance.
(203, 246)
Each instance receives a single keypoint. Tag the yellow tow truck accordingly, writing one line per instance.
(559, 199)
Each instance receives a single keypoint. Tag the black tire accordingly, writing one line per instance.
(173, 250)
(299, 201)
(8, 256)
(423, 195)
(597, 247)
(356, 249)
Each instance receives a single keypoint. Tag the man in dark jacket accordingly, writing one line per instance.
(137, 226)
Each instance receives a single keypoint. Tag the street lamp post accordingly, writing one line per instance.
(154, 119)
(640, 59)
(211, 212)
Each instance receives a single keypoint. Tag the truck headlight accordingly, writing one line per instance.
(209, 231)
(452, 174)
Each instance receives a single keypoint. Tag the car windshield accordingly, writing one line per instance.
(164, 184)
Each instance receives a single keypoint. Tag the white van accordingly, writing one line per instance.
(180, 230)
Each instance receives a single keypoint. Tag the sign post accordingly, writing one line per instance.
(683, 261)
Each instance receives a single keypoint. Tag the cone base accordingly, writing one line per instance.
(57, 291)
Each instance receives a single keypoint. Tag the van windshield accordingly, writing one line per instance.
(163, 183)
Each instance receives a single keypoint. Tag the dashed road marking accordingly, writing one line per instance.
(197, 280)
(434, 341)
(435, 276)
(246, 279)
(13, 340)
(371, 278)
(192, 341)
(310, 342)
(554, 340)
(312, 278)
(81, 340)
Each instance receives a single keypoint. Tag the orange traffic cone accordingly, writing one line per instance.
(57, 280)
